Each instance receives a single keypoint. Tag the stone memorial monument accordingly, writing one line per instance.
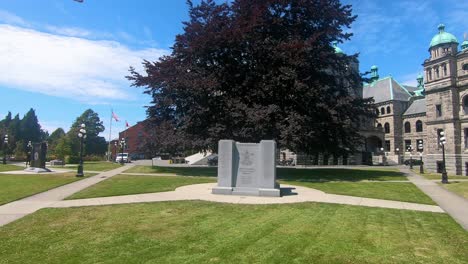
(247, 169)
(38, 158)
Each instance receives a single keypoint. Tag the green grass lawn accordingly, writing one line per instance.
(460, 188)
(180, 171)
(357, 174)
(130, 184)
(14, 187)
(9, 167)
(397, 191)
(93, 166)
(204, 232)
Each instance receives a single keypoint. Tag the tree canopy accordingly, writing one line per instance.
(259, 69)
(94, 143)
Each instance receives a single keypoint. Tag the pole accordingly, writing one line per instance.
(411, 161)
(80, 166)
(110, 137)
(444, 171)
(421, 168)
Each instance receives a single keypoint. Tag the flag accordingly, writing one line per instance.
(126, 124)
(115, 116)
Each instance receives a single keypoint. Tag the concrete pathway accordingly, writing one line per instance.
(291, 194)
(456, 206)
(15, 210)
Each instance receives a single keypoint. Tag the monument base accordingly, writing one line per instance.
(37, 170)
(244, 191)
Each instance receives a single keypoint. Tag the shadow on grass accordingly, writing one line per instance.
(325, 175)
(293, 174)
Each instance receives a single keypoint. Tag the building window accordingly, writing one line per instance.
(379, 125)
(382, 111)
(388, 110)
(465, 67)
(429, 74)
(420, 146)
(408, 145)
(437, 72)
(387, 128)
(419, 126)
(445, 70)
(377, 111)
(466, 137)
(465, 105)
(387, 145)
(407, 127)
(438, 110)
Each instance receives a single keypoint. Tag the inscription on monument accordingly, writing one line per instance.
(247, 168)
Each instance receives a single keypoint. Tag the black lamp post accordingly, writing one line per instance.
(28, 157)
(444, 171)
(116, 150)
(82, 136)
(122, 146)
(411, 157)
(397, 150)
(5, 146)
(420, 147)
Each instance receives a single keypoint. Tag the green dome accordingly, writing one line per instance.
(337, 49)
(443, 37)
(374, 67)
(464, 45)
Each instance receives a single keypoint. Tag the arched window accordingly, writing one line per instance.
(379, 125)
(382, 111)
(445, 70)
(465, 105)
(419, 126)
(387, 128)
(429, 74)
(407, 127)
(388, 110)
(437, 72)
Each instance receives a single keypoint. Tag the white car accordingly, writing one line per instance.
(122, 157)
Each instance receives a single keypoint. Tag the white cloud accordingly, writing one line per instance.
(68, 31)
(9, 18)
(64, 66)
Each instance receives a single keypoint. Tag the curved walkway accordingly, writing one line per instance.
(291, 194)
(15, 210)
(456, 206)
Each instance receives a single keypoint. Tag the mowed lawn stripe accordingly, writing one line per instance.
(204, 232)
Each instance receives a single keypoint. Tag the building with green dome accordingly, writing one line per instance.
(413, 117)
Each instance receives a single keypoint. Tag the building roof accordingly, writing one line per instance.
(443, 37)
(410, 89)
(417, 107)
(385, 89)
(337, 49)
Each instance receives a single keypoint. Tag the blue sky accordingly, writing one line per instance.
(62, 57)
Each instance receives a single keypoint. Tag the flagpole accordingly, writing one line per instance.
(110, 136)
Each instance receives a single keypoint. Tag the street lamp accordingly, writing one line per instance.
(82, 136)
(383, 156)
(410, 148)
(5, 146)
(442, 143)
(116, 150)
(420, 147)
(28, 158)
(122, 146)
(397, 150)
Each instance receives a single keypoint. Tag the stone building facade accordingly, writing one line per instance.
(413, 117)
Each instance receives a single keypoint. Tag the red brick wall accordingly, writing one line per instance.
(135, 138)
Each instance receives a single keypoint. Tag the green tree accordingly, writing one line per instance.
(63, 148)
(252, 70)
(95, 145)
(30, 130)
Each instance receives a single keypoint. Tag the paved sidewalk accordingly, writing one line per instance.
(456, 206)
(291, 194)
(15, 210)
